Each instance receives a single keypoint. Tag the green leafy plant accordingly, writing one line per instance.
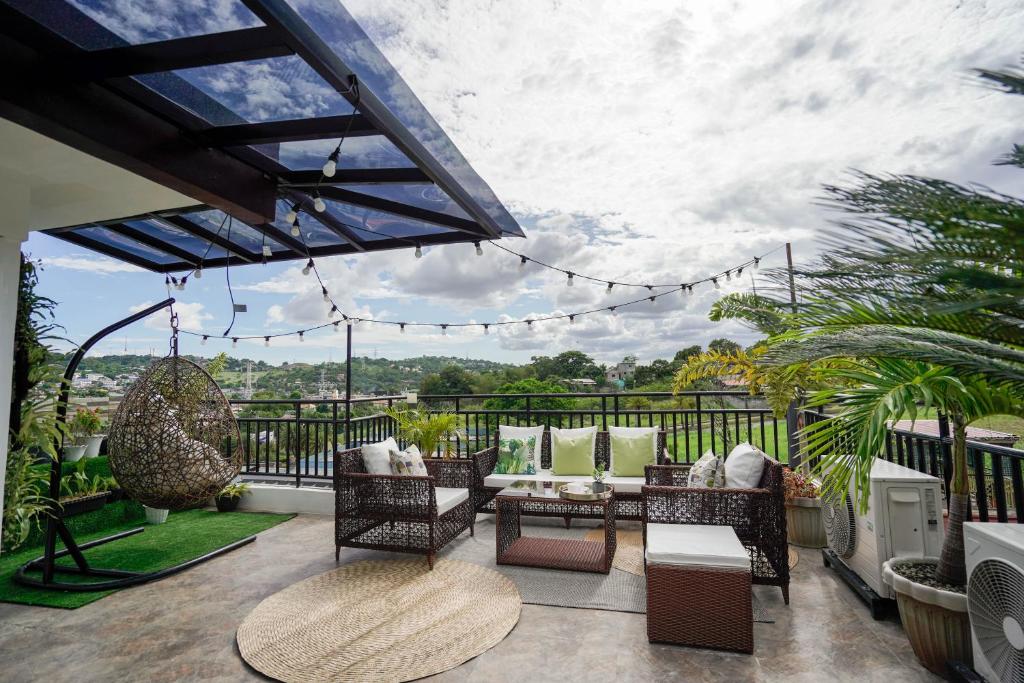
(426, 429)
(599, 473)
(85, 423)
(234, 491)
(78, 484)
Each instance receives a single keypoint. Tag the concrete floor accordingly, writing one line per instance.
(183, 629)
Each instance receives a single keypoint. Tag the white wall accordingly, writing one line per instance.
(14, 197)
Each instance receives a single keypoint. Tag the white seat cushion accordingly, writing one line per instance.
(621, 484)
(695, 545)
(449, 498)
(743, 467)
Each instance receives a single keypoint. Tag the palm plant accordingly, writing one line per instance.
(426, 429)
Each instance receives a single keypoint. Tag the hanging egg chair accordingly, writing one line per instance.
(174, 442)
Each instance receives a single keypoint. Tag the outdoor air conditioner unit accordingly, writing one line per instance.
(904, 519)
(995, 599)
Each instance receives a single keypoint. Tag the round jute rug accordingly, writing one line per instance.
(382, 620)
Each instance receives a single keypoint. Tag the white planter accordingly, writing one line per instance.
(935, 620)
(92, 445)
(804, 526)
(74, 453)
(155, 515)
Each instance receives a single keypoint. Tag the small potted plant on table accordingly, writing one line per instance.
(804, 525)
(227, 499)
(598, 485)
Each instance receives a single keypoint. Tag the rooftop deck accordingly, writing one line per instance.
(183, 629)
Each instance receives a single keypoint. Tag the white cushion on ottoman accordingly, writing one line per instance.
(695, 544)
(449, 498)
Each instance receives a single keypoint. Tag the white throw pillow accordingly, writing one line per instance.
(707, 473)
(376, 456)
(743, 467)
(408, 462)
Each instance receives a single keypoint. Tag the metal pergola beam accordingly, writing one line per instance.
(294, 130)
(404, 210)
(355, 176)
(202, 233)
(180, 53)
(279, 15)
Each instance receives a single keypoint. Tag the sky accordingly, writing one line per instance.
(632, 141)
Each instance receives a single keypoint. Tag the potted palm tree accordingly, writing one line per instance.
(427, 430)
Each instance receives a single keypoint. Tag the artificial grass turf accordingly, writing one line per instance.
(185, 535)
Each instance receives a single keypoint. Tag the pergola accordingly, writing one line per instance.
(242, 120)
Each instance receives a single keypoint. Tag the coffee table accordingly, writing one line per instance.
(575, 554)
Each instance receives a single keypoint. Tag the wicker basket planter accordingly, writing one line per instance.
(935, 620)
(803, 523)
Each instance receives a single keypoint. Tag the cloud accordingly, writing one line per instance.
(100, 265)
(190, 316)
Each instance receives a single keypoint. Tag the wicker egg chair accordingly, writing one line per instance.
(174, 442)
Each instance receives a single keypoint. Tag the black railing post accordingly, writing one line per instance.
(615, 408)
(604, 413)
(298, 442)
(334, 428)
(700, 430)
(527, 410)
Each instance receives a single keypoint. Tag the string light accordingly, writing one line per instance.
(198, 274)
(180, 284)
(522, 262)
(295, 228)
(728, 276)
(487, 328)
(331, 165)
(757, 262)
(444, 330)
(609, 290)
(234, 342)
(652, 298)
(319, 205)
(612, 310)
(715, 281)
(568, 281)
(266, 341)
(293, 215)
(333, 311)
(267, 253)
(479, 249)
(337, 327)
(572, 318)
(302, 336)
(308, 267)
(203, 342)
(401, 327)
(419, 252)
(327, 297)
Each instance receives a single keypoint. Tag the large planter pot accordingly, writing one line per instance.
(92, 445)
(935, 620)
(804, 526)
(155, 515)
(78, 506)
(226, 503)
(73, 453)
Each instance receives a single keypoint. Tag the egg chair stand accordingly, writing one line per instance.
(106, 579)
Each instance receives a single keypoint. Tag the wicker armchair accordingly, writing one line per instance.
(757, 515)
(400, 513)
(627, 505)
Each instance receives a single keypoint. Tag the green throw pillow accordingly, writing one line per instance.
(572, 455)
(516, 456)
(630, 454)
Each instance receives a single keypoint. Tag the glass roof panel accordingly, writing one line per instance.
(243, 235)
(336, 27)
(101, 24)
(314, 233)
(113, 239)
(370, 224)
(420, 195)
(174, 235)
(273, 89)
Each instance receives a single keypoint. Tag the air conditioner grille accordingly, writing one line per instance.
(995, 602)
(840, 526)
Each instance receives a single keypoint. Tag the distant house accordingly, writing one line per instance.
(581, 383)
(621, 372)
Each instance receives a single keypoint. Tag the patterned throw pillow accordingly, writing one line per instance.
(707, 473)
(408, 462)
(517, 456)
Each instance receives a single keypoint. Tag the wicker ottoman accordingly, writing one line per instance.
(698, 587)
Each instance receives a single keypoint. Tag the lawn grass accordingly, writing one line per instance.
(781, 454)
(185, 535)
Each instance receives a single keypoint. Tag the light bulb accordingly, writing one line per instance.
(715, 280)
(266, 341)
(302, 337)
(529, 326)
(522, 262)
(308, 267)
(728, 275)
(487, 329)
(266, 251)
(334, 309)
(613, 311)
(234, 342)
(682, 289)
(689, 290)
(198, 274)
(419, 252)
(444, 330)
(609, 290)
(181, 285)
(652, 298)
(337, 327)
(291, 216)
(319, 205)
(327, 298)
(295, 228)
(572, 319)
(568, 281)
(401, 327)
(202, 342)
(330, 166)
(739, 272)
(479, 249)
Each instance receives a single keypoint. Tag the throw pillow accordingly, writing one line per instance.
(572, 451)
(631, 449)
(408, 462)
(707, 473)
(375, 456)
(518, 449)
(743, 467)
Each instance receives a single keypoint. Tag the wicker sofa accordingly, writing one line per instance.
(757, 515)
(627, 489)
(404, 514)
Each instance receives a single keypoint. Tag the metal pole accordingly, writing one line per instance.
(348, 386)
(792, 281)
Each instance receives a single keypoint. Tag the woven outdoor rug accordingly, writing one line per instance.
(617, 591)
(381, 620)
